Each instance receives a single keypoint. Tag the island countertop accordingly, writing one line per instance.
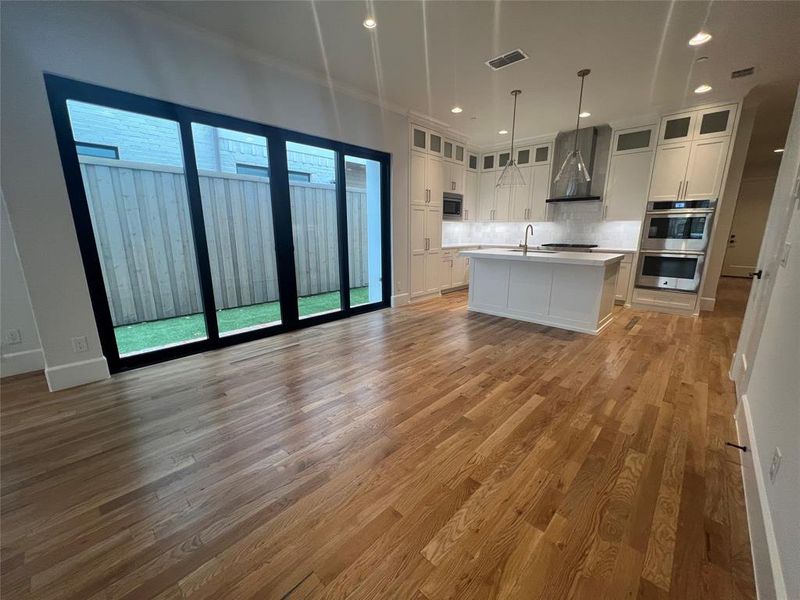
(564, 258)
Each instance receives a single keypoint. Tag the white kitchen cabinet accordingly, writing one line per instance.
(539, 190)
(624, 278)
(473, 160)
(470, 212)
(689, 170)
(632, 140)
(426, 180)
(669, 171)
(426, 246)
(502, 200)
(454, 177)
(626, 188)
(419, 139)
(448, 150)
(705, 169)
(714, 122)
(486, 196)
(460, 153)
(488, 162)
(677, 128)
(520, 197)
(454, 270)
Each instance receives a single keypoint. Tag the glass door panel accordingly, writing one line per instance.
(132, 170)
(234, 175)
(315, 228)
(363, 187)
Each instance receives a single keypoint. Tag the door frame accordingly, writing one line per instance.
(61, 89)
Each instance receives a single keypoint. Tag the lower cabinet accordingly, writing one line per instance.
(454, 270)
(624, 279)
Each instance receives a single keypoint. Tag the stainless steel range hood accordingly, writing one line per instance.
(593, 144)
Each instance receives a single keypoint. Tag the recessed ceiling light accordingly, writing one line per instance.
(778, 150)
(456, 109)
(370, 23)
(585, 114)
(502, 132)
(702, 89)
(700, 38)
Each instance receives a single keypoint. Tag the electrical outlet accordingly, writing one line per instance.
(80, 344)
(13, 336)
(777, 457)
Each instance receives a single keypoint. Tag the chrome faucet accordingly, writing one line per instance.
(525, 245)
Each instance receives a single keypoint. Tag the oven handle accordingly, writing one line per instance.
(682, 211)
(675, 253)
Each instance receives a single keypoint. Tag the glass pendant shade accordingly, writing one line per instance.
(574, 172)
(511, 176)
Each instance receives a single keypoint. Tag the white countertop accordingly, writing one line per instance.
(565, 258)
(488, 246)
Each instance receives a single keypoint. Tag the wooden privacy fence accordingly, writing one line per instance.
(141, 222)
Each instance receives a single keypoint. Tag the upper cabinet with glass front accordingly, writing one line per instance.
(473, 159)
(698, 124)
(427, 141)
(629, 141)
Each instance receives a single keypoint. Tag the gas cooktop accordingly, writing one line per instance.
(569, 245)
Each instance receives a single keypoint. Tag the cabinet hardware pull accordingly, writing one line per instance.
(685, 188)
(680, 184)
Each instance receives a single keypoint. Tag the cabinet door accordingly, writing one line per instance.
(434, 174)
(488, 162)
(521, 197)
(457, 177)
(503, 158)
(623, 279)
(676, 128)
(433, 228)
(419, 184)
(470, 196)
(540, 187)
(446, 270)
(706, 165)
(418, 245)
(435, 143)
(502, 200)
(486, 196)
(669, 171)
(626, 192)
(433, 273)
(715, 122)
(472, 161)
(628, 141)
(460, 154)
(459, 276)
(419, 139)
(541, 154)
(448, 150)
(524, 157)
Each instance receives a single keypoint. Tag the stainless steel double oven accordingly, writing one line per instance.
(675, 238)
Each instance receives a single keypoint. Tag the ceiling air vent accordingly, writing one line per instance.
(506, 59)
(742, 72)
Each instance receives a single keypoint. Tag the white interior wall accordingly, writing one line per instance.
(16, 313)
(131, 49)
(749, 220)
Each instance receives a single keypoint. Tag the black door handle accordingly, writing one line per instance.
(757, 274)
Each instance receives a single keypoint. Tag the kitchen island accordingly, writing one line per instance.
(570, 290)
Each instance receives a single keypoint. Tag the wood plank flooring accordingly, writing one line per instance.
(421, 453)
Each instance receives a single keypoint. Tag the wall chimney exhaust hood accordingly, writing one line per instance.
(593, 145)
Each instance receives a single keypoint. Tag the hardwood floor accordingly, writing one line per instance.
(421, 452)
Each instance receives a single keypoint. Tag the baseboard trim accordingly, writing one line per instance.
(400, 299)
(763, 543)
(707, 303)
(17, 363)
(78, 373)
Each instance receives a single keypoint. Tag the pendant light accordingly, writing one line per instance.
(573, 170)
(511, 175)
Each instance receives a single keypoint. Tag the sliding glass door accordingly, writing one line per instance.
(235, 190)
(199, 230)
(138, 203)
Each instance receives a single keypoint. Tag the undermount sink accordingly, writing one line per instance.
(533, 251)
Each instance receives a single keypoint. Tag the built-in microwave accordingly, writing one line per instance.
(678, 225)
(452, 207)
(670, 270)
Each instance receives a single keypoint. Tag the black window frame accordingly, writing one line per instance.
(115, 149)
(61, 89)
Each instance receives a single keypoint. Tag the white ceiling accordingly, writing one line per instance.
(428, 56)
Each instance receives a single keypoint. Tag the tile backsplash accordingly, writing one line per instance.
(575, 229)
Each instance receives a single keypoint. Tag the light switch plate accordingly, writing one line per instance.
(775, 466)
(787, 247)
(80, 344)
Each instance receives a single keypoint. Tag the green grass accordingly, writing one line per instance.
(168, 332)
